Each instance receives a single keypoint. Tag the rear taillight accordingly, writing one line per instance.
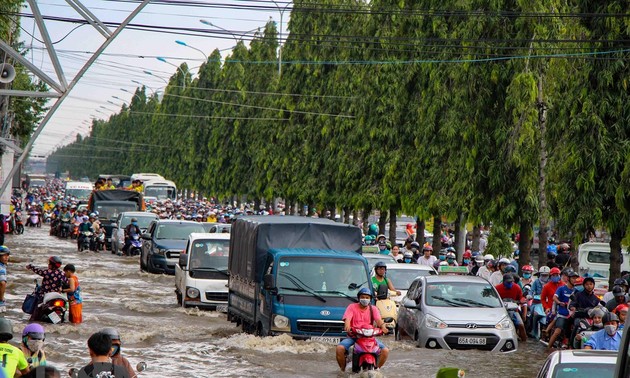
(59, 303)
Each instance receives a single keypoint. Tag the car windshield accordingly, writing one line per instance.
(38, 182)
(177, 231)
(209, 254)
(79, 193)
(106, 211)
(579, 370)
(326, 277)
(160, 192)
(461, 294)
(402, 278)
(373, 258)
(143, 220)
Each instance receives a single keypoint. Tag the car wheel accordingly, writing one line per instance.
(180, 300)
(143, 266)
(416, 338)
(397, 335)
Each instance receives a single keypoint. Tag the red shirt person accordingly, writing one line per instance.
(549, 290)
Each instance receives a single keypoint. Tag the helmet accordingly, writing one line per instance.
(554, 271)
(477, 253)
(4, 250)
(572, 273)
(618, 291)
(544, 270)
(479, 258)
(380, 264)
(527, 268)
(567, 271)
(610, 317)
(55, 261)
(488, 257)
(467, 254)
(415, 244)
(408, 255)
(621, 307)
(450, 255)
(504, 261)
(427, 248)
(92, 215)
(564, 247)
(443, 263)
(364, 291)
(114, 335)
(134, 219)
(621, 282)
(6, 328)
(491, 263)
(34, 330)
(86, 218)
(551, 255)
(381, 236)
(510, 269)
(450, 249)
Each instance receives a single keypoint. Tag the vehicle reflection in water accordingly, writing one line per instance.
(177, 342)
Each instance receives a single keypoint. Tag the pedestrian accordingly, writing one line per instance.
(74, 294)
(12, 357)
(4, 260)
(100, 347)
(116, 355)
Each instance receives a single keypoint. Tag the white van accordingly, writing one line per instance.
(594, 260)
(160, 190)
(201, 275)
(78, 189)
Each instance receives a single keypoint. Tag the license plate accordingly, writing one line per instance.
(54, 317)
(222, 308)
(471, 340)
(326, 340)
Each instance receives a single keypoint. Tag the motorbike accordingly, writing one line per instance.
(15, 223)
(365, 351)
(75, 231)
(53, 307)
(48, 217)
(84, 240)
(135, 247)
(99, 242)
(64, 230)
(387, 307)
(33, 219)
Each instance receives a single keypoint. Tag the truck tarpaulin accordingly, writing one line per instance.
(117, 195)
(251, 238)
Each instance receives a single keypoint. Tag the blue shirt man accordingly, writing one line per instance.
(601, 340)
(564, 294)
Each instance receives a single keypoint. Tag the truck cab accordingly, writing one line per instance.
(201, 275)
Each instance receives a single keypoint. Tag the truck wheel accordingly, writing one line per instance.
(397, 335)
(179, 299)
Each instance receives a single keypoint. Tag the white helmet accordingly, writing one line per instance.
(488, 257)
(544, 270)
(504, 261)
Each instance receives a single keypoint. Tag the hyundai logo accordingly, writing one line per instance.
(324, 312)
(471, 326)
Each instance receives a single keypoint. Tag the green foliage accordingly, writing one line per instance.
(499, 244)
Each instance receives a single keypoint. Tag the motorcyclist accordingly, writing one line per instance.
(608, 338)
(497, 276)
(563, 314)
(478, 264)
(33, 337)
(622, 312)
(427, 256)
(382, 248)
(408, 258)
(484, 271)
(85, 226)
(508, 290)
(415, 250)
(357, 315)
(592, 323)
(131, 230)
(618, 282)
(619, 297)
(551, 260)
(53, 280)
(563, 257)
(526, 279)
(538, 314)
(441, 258)
(467, 259)
(116, 355)
(13, 359)
(451, 259)
(380, 278)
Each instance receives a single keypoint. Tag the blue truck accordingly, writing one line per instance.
(294, 275)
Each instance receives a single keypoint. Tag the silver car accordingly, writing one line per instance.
(579, 363)
(456, 312)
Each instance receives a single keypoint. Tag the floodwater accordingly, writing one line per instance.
(177, 342)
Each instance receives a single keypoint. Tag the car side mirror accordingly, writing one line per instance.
(146, 236)
(411, 304)
(511, 306)
(183, 260)
(269, 283)
(114, 225)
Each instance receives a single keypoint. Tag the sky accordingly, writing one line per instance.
(131, 53)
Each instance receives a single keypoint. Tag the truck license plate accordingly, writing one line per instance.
(326, 340)
(221, 308)
(471, 340)
(54, 317)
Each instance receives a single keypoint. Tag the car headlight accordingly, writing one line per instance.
(192, 292)
(504, 323)
(281, 323)
(433, 322)
(161, 252)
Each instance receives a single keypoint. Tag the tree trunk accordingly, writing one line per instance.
(256, 205)
(420, 227)
(524, 245)
(437, 233)
(333, 212)
(365, 219)
(615, 256)
(355, 218)
(542, 196)
(476, 238)
(392, 225)
(382, 222)
(460, 235)
(346, 215)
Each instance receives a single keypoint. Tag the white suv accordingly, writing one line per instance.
(201, 275)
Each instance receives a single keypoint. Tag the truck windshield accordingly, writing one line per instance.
(326, 277)
(111, 211)
(79, 193)
(176, 231)
(160, 192)
(209, 254)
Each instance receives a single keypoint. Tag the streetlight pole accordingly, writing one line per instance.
(182, 43)
(206, 22)
(163, 60)
(281, 10)
(144, 85)
(159, 77)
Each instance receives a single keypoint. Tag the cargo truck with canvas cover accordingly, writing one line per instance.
(294, 275)
(110, 203)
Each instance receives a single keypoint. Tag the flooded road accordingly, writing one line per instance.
(190, 343)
